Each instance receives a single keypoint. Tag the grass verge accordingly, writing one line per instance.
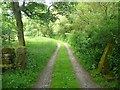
(63, 75)
(39, 51)
(97, 77)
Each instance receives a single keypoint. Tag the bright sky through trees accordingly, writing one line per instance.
(48, 2)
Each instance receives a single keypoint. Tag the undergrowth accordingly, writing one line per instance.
(96, 76)
(39, 51)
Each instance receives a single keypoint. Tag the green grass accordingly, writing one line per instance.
(97, 77)
(101, 80)
(39, 51)
(63, 75)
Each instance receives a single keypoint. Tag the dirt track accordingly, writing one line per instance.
(46, 75)
(82, 76)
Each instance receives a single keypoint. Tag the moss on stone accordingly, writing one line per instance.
(8, 58)
(8, 55)
(103, 65)
(21, 56)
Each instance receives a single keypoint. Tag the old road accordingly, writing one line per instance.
(82, 76)
(46, 76)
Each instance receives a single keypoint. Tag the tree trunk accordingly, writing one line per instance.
(19, 23)
(21, 52)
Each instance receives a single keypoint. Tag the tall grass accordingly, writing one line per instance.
(39, 51)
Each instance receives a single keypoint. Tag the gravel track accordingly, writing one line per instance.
(46, 75)
(82, 76)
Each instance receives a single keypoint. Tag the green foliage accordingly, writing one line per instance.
(63, 75)
(8, 25)
(39, 51)
(93, 31)
(98, 77)
(88, 27)
(39, 11)
(34, 28)
(61, 28)
(64, 8)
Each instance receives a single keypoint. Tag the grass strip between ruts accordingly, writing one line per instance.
(63, 75)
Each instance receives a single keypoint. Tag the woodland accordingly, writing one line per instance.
(30, 33)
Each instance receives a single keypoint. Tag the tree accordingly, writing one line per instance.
(21, 50)
(19, 23)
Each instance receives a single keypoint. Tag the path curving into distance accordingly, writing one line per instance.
(82, 76)
(46, 75)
